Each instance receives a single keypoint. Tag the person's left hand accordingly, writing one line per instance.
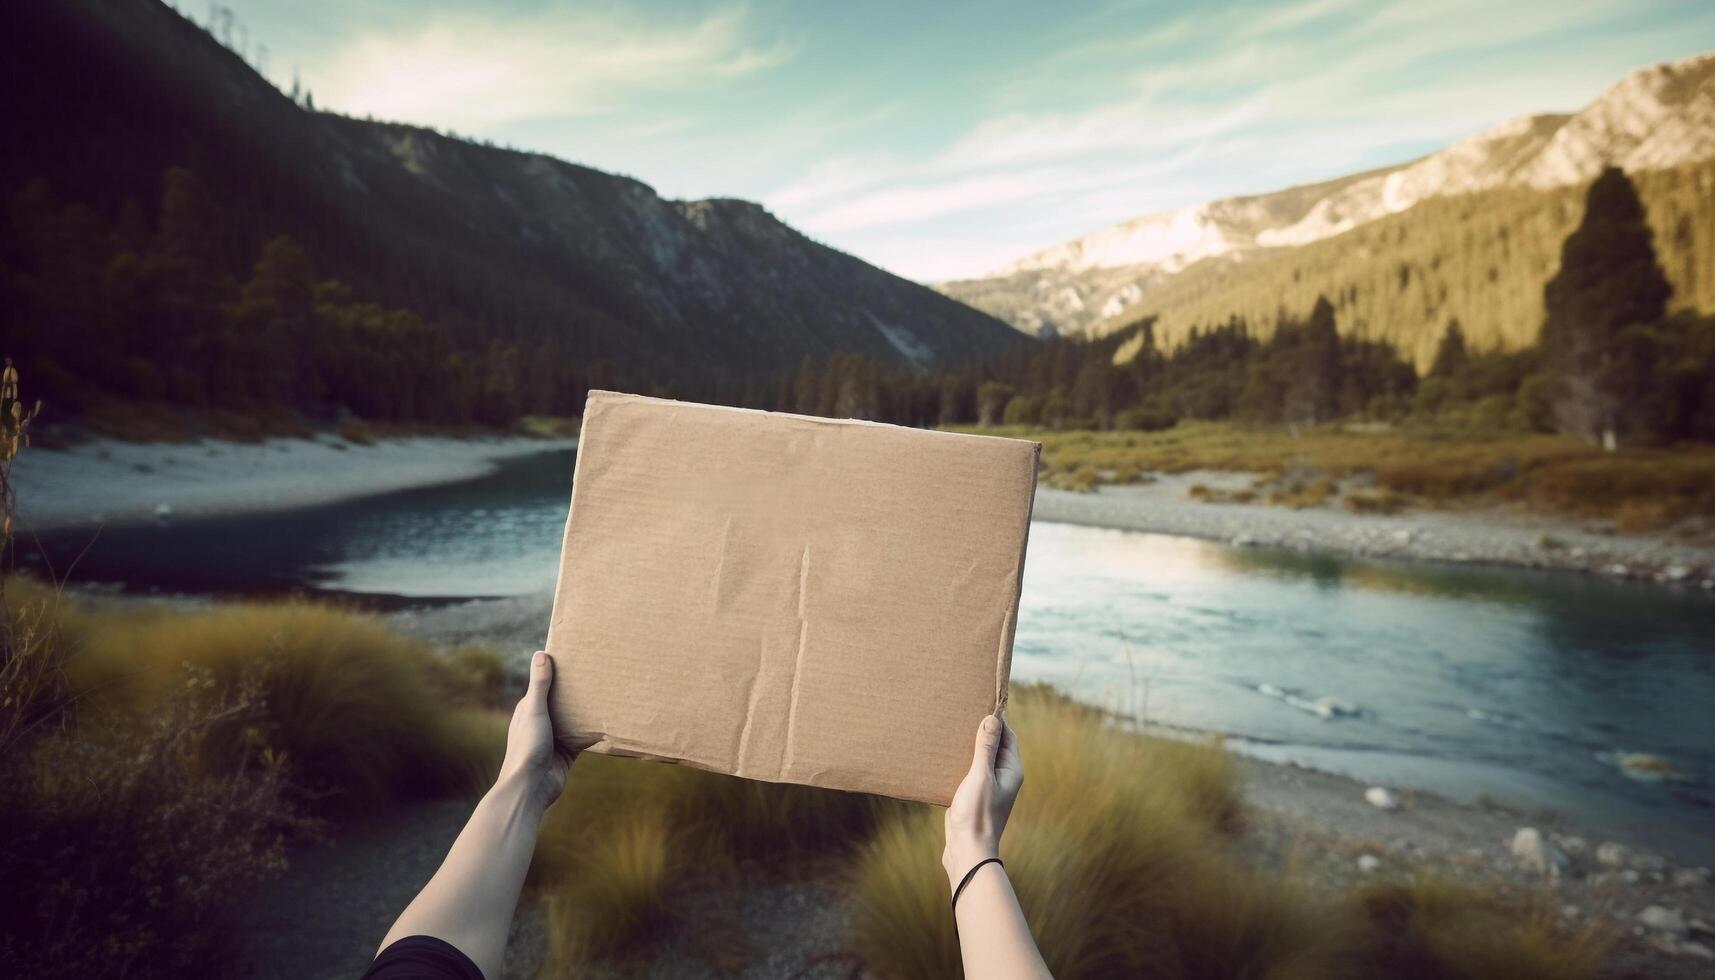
(533, 756)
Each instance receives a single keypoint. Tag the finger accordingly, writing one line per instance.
(1009, 756)
(541, 678)
(988, 743)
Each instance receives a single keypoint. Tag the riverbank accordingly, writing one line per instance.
(1333, 834)
(1168, 504)
(108, 482)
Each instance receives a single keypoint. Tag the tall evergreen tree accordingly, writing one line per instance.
(1608, 280)
(1451, 355)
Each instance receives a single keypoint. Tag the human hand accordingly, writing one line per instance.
(533, 758)
(984, 799)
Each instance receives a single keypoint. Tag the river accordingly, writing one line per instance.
(1524, 687)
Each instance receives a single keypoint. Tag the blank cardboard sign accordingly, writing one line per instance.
(787, 598)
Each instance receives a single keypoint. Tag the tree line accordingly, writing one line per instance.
(1610, 366)
(131, 310)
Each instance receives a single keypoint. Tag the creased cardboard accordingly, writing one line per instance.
(787, 598)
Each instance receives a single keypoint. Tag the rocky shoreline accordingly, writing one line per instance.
(106, 482)
(1165, 505)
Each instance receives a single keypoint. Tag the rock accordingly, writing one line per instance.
(1537, 854)
(1676, 573)
(1647, 768)
(1242, 541)
(1572, 844)
(1670, 921)
(1333, 708)
(1569, 911)
(1616, 569)
(1402, 536)
(1701, 927)
(1698, 950)
(1381, 799)
(1368, 863)
(1630, 876)
(1612, 855)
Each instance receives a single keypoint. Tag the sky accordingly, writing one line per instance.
(941, 139)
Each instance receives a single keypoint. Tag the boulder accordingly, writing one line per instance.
(1612, 855)
(1670, 921)
(1368, 863)
(1381, 798)
(1691, 877)
(1536, 853)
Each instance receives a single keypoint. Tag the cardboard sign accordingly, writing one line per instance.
(787, 598)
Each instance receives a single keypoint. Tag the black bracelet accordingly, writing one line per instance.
(967, 880)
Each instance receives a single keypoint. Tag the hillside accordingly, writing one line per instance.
(563, 263)
(1481, 258)
(1658, 118)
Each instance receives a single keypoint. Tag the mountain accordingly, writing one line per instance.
(102, 97)
(1657, 119)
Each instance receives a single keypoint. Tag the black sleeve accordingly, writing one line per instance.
(422, 958)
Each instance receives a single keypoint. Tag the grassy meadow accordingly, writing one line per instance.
(159, 764)
(1394, 468)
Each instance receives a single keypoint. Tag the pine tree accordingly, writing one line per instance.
(1451, 356)
(1609, 280)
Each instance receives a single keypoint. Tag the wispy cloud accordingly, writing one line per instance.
(1223, 101)
(477, 71)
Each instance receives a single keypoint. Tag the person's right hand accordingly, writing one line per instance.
(984, 799)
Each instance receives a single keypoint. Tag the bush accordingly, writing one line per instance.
(165, 759)
(1431, 930)
(361, 713)
(1022, 410)
(1144, 420)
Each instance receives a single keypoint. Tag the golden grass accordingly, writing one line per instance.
(1427, 929)
(1122, 852)
(549, 426)
(628, 834)
(1639, 488)
(363, 715)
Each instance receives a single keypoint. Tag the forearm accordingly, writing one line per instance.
(471, 899)
(994, 939)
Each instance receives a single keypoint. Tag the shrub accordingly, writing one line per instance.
(164, 760)
(361, 713)
(1144, 420)
(125, 845)
(1432, 930)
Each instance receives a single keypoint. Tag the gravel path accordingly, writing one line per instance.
(326, 917)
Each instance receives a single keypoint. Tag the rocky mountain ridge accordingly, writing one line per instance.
(1655, 118)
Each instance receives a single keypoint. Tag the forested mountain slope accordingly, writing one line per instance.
(1656, 119)
(1481, 259)
(538, 275)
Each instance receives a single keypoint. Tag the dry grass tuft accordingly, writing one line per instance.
(628, 835)
(1432, 930)
(362, 714)
(1121, 850)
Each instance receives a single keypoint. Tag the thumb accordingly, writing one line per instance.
(541, 677)
(988, 743)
